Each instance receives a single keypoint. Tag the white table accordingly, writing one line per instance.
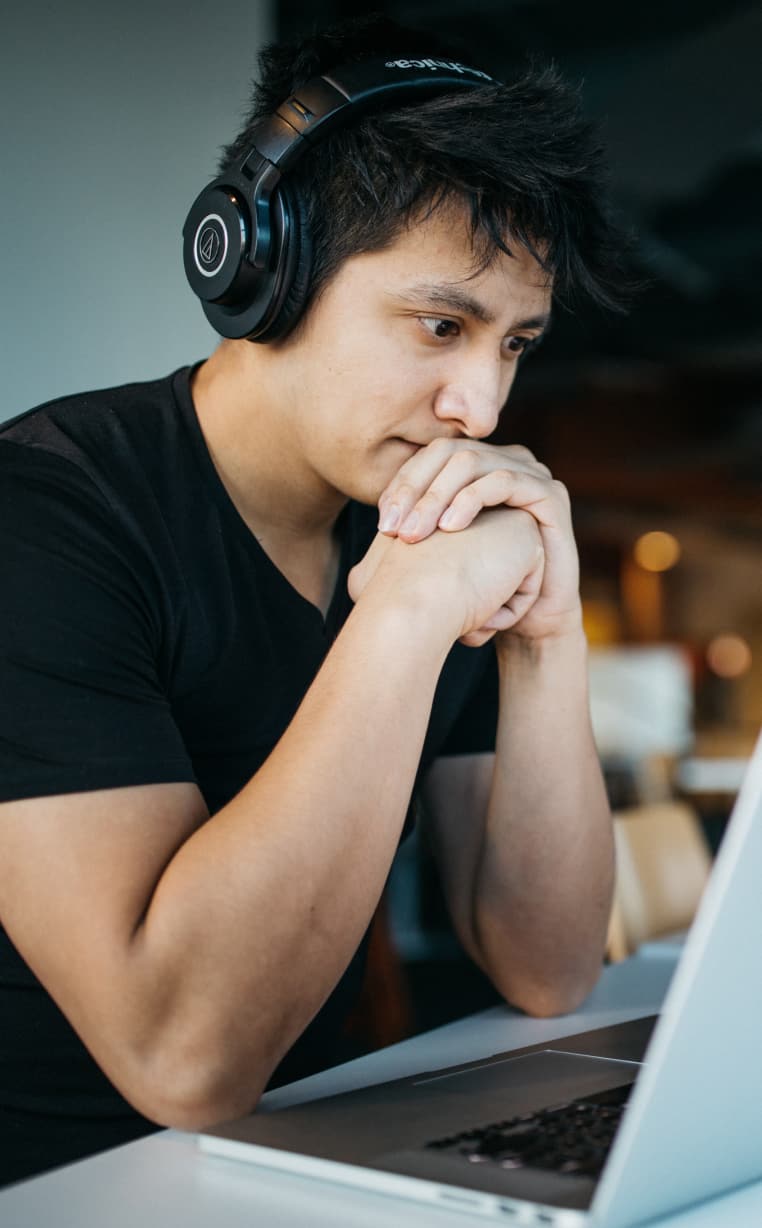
(164, 1180)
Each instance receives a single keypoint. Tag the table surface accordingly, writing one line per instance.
(165, 1180)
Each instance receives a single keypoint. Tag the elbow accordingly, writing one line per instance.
(202, 1111)
(548, 999)
(545, 1001)
(541, 984)
(193, 1094)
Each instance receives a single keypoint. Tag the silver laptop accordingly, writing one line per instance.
(608, 1128)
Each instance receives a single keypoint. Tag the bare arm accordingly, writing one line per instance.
(525, 847)
(523, 838)
(190, 954)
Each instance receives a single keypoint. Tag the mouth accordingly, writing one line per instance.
(399, 444)
(416, 446)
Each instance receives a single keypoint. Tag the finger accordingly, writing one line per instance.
(525, 459)
(511, 613)
(502, 620)
(363, 571)
(475, 639)
(512, 488)
(435, 474)
(410, 481)
(460, 471)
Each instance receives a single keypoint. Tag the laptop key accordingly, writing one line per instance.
(572, 1138)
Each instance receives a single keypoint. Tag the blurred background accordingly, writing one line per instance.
(112, 120)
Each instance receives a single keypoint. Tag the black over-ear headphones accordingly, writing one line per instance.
(246, 247)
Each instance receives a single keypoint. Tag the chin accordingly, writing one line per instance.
(371, 480)
(368, 495)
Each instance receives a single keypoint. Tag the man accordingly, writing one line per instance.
(223, 685)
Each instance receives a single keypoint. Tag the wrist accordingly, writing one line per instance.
(556, 650)
(411, 610)
(428, 601)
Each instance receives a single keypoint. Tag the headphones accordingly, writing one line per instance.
(246, 246)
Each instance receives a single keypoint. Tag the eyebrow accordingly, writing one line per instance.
(452, 298)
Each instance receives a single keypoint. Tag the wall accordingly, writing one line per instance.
(112, 116)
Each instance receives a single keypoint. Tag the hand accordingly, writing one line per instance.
(447, 484)
(480, 581)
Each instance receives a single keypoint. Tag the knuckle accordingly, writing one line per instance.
(469, 453)
(465, 500)
(404, 491)
(441, 446)
(520, 452)
(467, 461)
(506, 477)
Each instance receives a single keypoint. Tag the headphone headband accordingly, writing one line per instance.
(324, 102)
(245, 252)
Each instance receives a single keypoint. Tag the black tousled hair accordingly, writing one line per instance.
(519, 158)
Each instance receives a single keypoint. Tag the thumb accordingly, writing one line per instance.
(363, 572)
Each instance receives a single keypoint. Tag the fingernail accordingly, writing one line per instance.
(389, 519)
(446, 518)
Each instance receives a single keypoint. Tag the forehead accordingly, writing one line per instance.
(434, 261)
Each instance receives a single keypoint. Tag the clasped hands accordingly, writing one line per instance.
(522, 560)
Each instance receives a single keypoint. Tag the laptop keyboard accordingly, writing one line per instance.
(572, 1138)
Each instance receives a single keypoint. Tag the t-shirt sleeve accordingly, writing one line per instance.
(82, 704)
(475, 727)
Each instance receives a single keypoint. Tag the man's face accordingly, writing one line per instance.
(407, 345)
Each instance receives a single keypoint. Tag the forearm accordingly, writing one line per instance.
(542, 890)
(257, 915)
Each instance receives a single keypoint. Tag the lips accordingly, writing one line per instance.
(414, 443)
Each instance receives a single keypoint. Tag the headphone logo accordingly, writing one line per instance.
(434, 65)
(210, 245)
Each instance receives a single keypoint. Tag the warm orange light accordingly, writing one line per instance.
(656, 551)
(601, 621)
(729, 656)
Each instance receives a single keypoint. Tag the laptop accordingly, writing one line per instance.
(606, 1129)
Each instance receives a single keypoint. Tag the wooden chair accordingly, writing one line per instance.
(383, 1013)
(663, 863)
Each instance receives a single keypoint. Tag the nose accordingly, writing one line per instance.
(472, 398)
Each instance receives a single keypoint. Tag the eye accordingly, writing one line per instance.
(519, 345)
(439, 327)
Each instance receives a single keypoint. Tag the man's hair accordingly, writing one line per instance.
(518, 158)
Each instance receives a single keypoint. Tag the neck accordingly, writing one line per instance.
(243, 409)
(244, 416)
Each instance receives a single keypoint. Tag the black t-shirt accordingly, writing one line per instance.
(146, 637)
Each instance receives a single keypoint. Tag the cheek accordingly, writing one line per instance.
(507, 383)
(365, 397)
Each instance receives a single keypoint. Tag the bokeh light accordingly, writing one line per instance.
(729, 656)
(656, 551)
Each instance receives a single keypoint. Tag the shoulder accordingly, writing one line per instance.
(121, 453)
(90, 428)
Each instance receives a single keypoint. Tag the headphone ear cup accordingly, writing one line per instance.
(291, 296)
